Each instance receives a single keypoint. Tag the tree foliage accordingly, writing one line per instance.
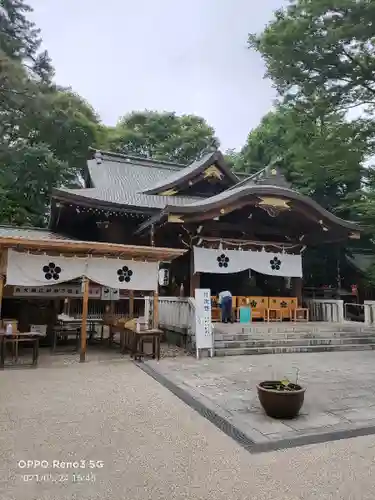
(320, 55)
(322, 49)
(163, 136)
(322, 156)
(45, 131)
(20, 39)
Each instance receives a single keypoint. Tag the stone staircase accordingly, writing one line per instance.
(278, 338)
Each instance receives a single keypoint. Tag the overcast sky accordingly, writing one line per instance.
(184, 56)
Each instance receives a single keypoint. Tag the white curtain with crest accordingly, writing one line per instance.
(29, 270)
(210, 260)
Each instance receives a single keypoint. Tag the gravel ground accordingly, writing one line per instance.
(151, 445)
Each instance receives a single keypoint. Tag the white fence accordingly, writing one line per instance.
(177, 314)
(369, 306)
(326, 310)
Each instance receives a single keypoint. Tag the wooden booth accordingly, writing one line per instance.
(42, 259)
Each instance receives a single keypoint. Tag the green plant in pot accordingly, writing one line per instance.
(281, 398)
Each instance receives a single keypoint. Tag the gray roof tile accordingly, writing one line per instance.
(118, 195)
(121, 180)
(130, 175)
(30, 233)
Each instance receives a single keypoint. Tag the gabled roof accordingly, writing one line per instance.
(190, 172)
(121, 182)
(118, 181)
(107, 170)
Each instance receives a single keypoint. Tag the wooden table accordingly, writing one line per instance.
(14, 340)
(136, 342)
(72, 327)
(276, 317)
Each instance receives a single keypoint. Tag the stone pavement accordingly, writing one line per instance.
(340, 393)
(152, 446)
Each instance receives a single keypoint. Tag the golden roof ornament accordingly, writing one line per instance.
(213, 172)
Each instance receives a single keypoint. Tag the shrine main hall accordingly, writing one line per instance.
(205, 225)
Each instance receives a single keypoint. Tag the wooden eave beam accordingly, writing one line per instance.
(98, 248)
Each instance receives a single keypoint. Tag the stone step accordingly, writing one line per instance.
(261, 343)
(241, 337)
(287, 328)
(294, 349)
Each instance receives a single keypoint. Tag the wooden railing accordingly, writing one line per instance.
(326, 310)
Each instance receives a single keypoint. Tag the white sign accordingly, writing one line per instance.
(203, 321)
(110, 293)
(55, 291)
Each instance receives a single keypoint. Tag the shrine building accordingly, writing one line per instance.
(208, 225)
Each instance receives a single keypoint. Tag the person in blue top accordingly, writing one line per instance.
(225, 302)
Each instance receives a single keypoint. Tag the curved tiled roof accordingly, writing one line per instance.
(222, 199)
(121, 182)
(133, 175)
(118, 180)
(192, 170)
(118, 196)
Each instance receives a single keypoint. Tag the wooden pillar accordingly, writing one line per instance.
(131, 303)
(85, 307)
(2, 280)
(155, 319)
(195, 279)
(297, 289)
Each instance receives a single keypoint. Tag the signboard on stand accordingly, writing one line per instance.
(203, 323)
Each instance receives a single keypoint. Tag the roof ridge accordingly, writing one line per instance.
(139, 158)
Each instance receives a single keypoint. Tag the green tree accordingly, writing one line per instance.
(70, 127)
(321, 156)
(45, 131)
(163, 136)
(28, 174)
(234, 159)
(320, 55)
(20, 39)
(322, 49)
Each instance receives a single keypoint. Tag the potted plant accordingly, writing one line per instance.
(281, 398)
